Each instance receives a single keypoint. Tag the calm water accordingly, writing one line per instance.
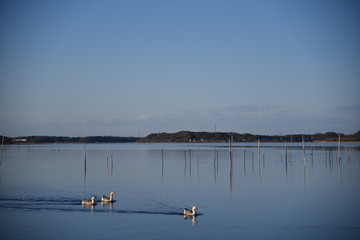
(271, 195)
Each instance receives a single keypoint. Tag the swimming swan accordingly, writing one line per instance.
(192, 212)
(88, 202)
(108, 199)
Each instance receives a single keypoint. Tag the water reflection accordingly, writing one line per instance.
(162, 164)
(339, 172)
(252, 161)
(190, 163)
(89, 207)
(108, 206)
(216, 164)
(109, 163)
(185, 164)
(193, 219)
(197, 166)
(1, 149)
(107, 160)
(84, 166)
(304, 174)
(244, 163)
(111, 167)
(297, 161)
(231, 171)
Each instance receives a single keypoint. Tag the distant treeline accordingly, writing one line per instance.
(54, 139)
(187, 136)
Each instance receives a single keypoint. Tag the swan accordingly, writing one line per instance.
(192, 212)
(108, 199)
(88, 202)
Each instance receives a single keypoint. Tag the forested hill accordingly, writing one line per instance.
(187, 136)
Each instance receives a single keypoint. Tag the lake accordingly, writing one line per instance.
(271, 192)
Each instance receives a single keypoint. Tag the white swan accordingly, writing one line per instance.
(108, 199)
(192, 212)
(88, 202)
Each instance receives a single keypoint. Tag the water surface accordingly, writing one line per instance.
(274, 192)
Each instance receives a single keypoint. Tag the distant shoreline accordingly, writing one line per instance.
(186, 137)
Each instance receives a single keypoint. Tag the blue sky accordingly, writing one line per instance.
(130, 68)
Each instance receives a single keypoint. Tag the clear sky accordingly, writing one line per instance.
(130, 68)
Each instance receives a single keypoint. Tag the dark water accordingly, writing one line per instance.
(240, 195)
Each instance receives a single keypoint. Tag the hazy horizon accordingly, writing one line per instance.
(131, 68)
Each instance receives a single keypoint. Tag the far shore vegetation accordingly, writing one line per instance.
(186, 136)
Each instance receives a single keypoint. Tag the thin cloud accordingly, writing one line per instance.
(242, 110)
(354, 108)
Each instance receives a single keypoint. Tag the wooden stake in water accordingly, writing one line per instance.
(286, 167)
(231, 175)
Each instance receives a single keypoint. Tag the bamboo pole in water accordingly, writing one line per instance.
(286, 157)
(231, 164)
(259, 171)
(231, 176)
